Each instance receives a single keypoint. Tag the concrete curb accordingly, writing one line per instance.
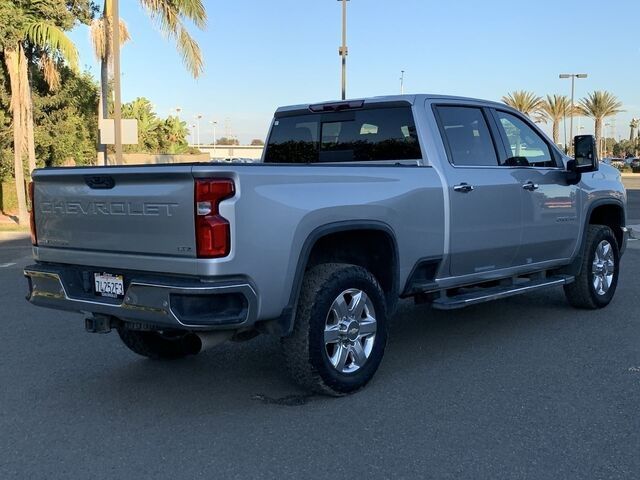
(630, 175)
(5, 236)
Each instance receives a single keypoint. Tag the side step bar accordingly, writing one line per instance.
(482, 295)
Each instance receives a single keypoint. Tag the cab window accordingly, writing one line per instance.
(467, 136)
(525, 147)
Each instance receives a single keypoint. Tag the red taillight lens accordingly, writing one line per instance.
(213, 232)
(32, 215)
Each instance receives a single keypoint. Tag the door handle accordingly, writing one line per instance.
(530, 186)
(463, 187)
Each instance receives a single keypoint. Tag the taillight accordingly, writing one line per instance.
(32, 215)
(213, 232)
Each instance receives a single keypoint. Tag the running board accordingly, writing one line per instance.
(495, 293)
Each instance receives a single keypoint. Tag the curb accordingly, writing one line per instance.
(14, 236)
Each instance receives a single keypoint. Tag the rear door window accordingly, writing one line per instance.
(467, 136)
(371, 134)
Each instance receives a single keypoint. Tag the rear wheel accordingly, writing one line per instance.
(596, 284)
(340, 332)
(167, 345)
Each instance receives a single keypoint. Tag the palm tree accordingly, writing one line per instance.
(101, 31)
(633, 125)
(170, 15)
(555, 108)
(526, 102)
(599, 105)
(141, 109)
(53, 46)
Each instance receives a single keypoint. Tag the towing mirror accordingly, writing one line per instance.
(586, 154)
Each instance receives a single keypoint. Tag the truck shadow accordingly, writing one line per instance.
(236, 377)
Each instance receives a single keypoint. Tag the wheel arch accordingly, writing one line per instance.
(330, 233)
(611, 211)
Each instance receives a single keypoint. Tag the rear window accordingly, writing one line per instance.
(350, 136)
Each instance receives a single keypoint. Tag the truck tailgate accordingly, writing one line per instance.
(145, 210)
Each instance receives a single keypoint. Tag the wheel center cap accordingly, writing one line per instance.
(353, 330)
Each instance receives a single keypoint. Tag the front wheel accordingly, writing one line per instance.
(596, 284)
(340, 331)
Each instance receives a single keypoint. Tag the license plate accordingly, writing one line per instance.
(108, 285)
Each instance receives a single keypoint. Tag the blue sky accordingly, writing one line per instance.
(261, 54)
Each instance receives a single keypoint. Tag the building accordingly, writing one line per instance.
(222, 152)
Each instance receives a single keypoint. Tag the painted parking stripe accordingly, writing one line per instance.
(5, 265)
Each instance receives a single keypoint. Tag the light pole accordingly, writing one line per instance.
(215, 124)
(401, 82)
(343, 51)
(178, 110)
(198, 117)
(573, 77)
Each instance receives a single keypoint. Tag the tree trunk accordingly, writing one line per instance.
(556, 131)
(598, 131)
(28, 110)
(12, 60)
(104, 77)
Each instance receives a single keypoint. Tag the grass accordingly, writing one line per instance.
(8, 227)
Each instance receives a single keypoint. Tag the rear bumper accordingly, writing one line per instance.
(159, 300)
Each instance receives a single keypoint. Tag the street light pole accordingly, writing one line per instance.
(198, 117)
(573, 77)
(214, 123)
(401, 82)
(117, 107)
(343, 50)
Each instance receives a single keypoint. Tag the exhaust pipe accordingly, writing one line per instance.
(201, 341)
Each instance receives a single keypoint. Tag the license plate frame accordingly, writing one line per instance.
(109, 285)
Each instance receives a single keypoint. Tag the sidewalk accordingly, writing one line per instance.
(5, 220)
(10, 230)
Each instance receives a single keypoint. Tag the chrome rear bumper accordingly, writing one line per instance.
(168, 302)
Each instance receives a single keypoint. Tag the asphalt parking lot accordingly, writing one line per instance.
(522, 388)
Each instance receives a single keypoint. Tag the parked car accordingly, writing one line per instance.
(357, 204)
(618, 163)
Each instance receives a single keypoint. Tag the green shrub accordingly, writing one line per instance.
(8, 199)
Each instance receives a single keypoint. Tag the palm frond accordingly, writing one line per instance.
(600, 104)
(556, 107)
(169, 15)
(191, 53)
(173, 10)
(526, 102)
(50, 71)
(49, 37)
(98, 36)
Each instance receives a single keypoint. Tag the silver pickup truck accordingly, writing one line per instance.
(451, 201)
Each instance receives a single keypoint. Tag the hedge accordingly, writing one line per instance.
(8, 199)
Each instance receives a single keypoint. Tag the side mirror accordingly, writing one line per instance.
(585, 154)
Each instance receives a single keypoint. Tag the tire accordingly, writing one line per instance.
(156, 345)
(339, 335)
(590, 290)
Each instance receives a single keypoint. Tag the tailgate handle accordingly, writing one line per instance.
(100, 182)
